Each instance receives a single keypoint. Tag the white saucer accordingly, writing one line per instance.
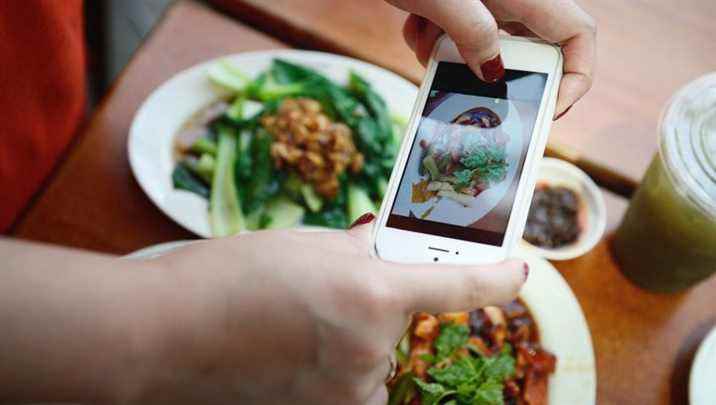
(702, 382)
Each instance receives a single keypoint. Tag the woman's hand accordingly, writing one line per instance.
(474, 24)
(286, 317)
(276, 317)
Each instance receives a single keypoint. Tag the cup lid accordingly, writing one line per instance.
(688, 141)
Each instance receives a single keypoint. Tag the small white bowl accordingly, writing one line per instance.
(702, 389)
(556, 172)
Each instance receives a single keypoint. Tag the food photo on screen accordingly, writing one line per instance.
(466, 160)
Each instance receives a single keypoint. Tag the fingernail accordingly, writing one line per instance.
(562, 113)
(422, 23)
(526, 269)
(493, 70)
(362, 220)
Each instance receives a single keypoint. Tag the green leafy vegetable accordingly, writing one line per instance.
(202, 167)
(452, 338)
(184, 179)
(463, 178)
(204, 145)
(281, 212)
(359, 202)
(225, 209)
(225, 75)
(334, 217)
(432, 167)
(488, 162)
(375, 105)
(313, 201)
(260, 186)
(404, 388)
(233, 167)
(244, 159)
(465, 379)
(432, 393)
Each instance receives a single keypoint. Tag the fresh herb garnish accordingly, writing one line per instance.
(452, 338)
(468, 379)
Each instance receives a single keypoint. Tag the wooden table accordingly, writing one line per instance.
(643, 342)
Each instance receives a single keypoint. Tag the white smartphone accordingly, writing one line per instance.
(463, 181)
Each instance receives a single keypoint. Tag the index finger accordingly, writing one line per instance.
(562, 22)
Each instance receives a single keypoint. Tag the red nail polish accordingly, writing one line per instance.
(526, 269)
(562, 113)
(493, 70)
(363, 219)
(421, 24)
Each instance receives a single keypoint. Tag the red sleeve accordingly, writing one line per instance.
(42, 94)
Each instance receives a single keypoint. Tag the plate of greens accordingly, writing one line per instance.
(272, 139)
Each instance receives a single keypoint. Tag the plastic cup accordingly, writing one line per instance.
(667, 239)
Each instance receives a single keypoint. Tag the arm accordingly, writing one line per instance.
(69, 325)
(315, 320)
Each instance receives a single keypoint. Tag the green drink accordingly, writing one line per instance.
(667, 239)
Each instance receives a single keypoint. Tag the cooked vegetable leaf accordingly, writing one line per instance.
(226, 75)
(463, 178)
(283, 213)
(225, 213)
(202, 167)
(259, 187)
(184, 179)
(375, 105)
(369, 136)
(288, 72)
(404, 386)
(432, 393)
(313, 201)
(334, 217)
(359, 202)
(244, 159)
(488, 162)
(204, 145)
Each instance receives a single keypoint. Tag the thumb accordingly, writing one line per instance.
(473, 28)
(449, 288)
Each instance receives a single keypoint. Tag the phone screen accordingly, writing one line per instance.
(466, 161)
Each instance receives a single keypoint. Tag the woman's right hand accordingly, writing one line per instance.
(474, 24)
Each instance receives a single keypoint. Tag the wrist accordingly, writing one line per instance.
(175, 330)
(137, 318)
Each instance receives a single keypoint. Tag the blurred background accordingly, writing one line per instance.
(115, 28)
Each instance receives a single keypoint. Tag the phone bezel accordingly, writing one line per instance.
(413, 247)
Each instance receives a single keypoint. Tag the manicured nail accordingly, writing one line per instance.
(526, 269)
(493, 70)
(363, 219)
(562, 113)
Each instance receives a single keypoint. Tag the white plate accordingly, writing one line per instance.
(562, 327)
(702, 381)
(157, 121)
(154, 251)
(563, 331)
(556, 172)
